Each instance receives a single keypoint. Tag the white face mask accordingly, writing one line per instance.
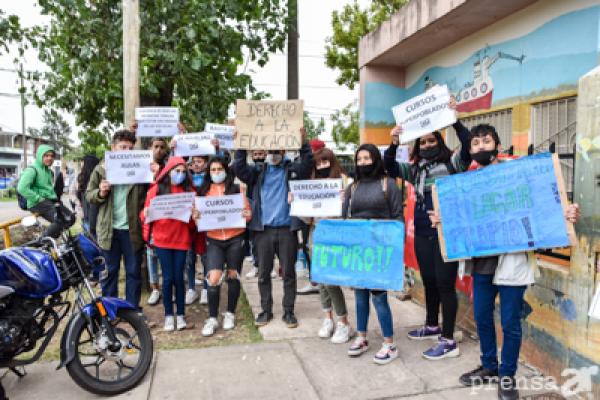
(274, 159)
(218, 177)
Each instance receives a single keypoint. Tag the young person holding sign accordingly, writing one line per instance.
(432, 159)
(118, 226)
(372, 196)
(506, 275)
(171, 239)
(223, 246)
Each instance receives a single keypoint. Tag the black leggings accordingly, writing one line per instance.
(439, 280)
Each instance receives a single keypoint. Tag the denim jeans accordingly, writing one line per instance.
(172, 263)
(152, 265)
(121, 247)
(190, 267)
(382, 307)
(511, 306)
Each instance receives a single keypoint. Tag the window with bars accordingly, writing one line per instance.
(501, 120)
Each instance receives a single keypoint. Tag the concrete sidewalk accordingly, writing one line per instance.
(289, 364)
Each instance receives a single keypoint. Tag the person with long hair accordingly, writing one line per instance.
(372, 195)
(431, 159)
(223, 247)
(90, 211)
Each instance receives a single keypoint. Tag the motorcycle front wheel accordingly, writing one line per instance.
(100, 370)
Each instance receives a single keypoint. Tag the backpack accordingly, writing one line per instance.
(21, 200)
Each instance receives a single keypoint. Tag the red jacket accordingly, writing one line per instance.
(170, 233)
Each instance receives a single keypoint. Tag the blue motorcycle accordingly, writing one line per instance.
(106, 345)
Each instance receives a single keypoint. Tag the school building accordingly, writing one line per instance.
(519, 65)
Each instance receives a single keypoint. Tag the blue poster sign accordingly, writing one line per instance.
(365, 254)
(510, 207)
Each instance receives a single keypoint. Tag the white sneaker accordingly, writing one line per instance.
(228, 321)
(203, 296)
(326, 328)
(253, 273)
(210, 326)
(169, 324)
(274, 274)
(343, 333)
(190, 296)
(154, 297)
(181, 325)
(387, 354)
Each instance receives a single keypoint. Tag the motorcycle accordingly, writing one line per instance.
(106, 346)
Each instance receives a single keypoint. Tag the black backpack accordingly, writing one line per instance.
(20, 199)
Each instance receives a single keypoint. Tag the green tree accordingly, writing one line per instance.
(55, 129)
(192, 55)
(345, 129)
(313, 130)
(349, 25)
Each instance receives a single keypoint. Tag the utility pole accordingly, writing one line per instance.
(22, 90)
(292, 56)
(131, 61)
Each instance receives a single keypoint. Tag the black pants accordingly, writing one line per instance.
(283, 243)
(439, 279)
(46, 209)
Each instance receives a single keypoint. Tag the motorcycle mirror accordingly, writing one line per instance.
(30, 220)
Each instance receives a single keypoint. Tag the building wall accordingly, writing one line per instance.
(539, 54)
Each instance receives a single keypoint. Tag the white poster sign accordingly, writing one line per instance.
(171, 206)
(224, 133)
(128, 167)
(157, 121)
(194, 144)
(220, 212)
(424, 114)
(316, 198)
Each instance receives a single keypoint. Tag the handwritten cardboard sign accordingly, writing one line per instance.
(359, 253)
(128, 167)
(171, 206)
(157, 121)
(194, 144)
(223, 133)
(269, 125)
(220, 212)
(424, 114)
(510, 207)
(316, 198)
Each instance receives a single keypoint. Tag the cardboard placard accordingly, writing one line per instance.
(157, 121)
(128, 167)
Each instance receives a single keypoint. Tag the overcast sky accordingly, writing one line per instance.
(322, 96)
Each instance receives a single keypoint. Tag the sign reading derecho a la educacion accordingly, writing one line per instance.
(316, 198)
(157, 121)
(424, 114)
(359, 253)
(128, 167)
(510, 207)
(194, 144)
(269, 125)
(220, 212)
(176, 206)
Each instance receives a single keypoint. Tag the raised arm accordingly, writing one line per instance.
(302, 168)
(242, 170)
(394, 168)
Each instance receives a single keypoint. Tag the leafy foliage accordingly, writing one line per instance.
(55, 129)
(345, 126)
(313, 130)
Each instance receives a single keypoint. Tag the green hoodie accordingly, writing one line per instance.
(36, 182)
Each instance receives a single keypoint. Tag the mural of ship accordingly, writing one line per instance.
(477, 95)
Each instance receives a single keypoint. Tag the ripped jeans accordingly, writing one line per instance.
(382, 307)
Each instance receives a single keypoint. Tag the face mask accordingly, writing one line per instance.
(430, 153)
(323, 172)
(198, 179)
(365, 170)
(485, 157)
(258, 160)
(177, 178)
(274, 159)
(218, 177)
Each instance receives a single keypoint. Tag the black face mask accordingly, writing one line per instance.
(430, 153)
(485, 157)
(258, 160)
(323, 172)
(365, 170)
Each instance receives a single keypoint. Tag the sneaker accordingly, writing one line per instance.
(154, 297)
(290, 319)
(228, 321)
(190, 296)
(210, 326)
(425, 332)
(507, 388)
(326, 329)
(169, 324)
(253, 273)
(443, 349)
(263, 318)
(204, 297)
(274, 274)
(359, 346)
(343, 333)
(308, 289)
(181, 325)
(387, 354)
(479, 376)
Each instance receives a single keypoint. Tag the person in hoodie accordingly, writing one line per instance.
(171, 239)
(223, 247)
(36, 185)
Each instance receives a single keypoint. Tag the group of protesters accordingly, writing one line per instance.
(117, 216)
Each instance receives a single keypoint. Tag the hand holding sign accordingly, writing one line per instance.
(128, 167)
(194, 144)
(170, 206)
(157, 121)
(316, 198)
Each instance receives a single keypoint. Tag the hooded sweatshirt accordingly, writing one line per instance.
(36, 182)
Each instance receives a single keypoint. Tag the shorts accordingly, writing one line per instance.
(221, 252)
